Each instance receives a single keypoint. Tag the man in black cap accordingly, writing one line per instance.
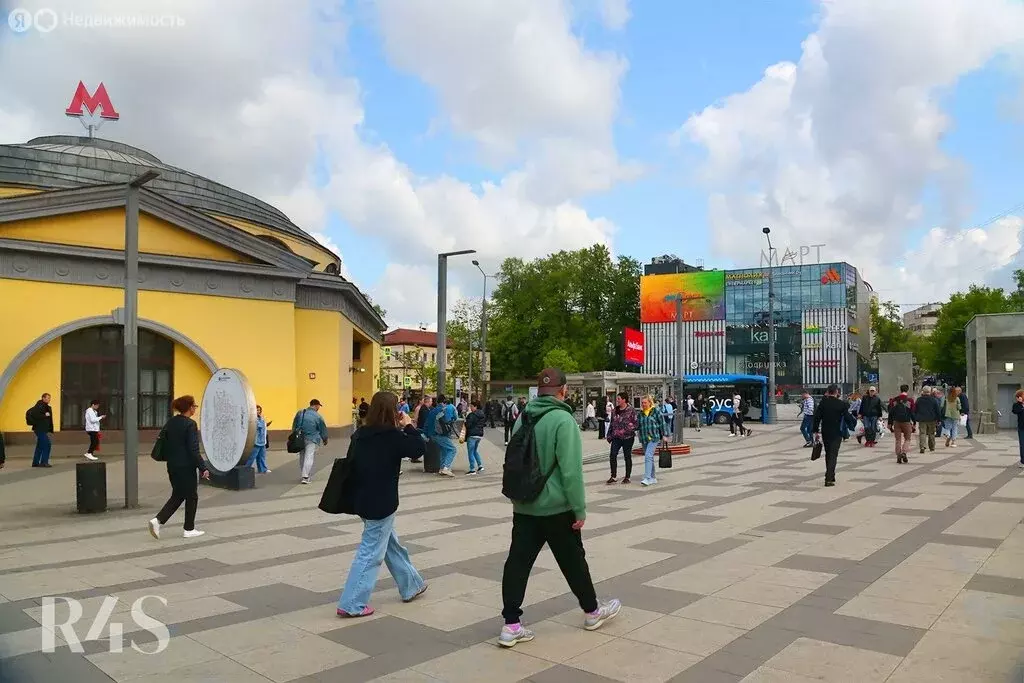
(554, 516)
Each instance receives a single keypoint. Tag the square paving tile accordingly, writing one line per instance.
(237, 638)
(293, 659)
(985, 615)
(484, 662)
(628, 619)
(892, 611)
(632, 662)
(760, 593)
(686, 635)
(829, 662)
(181, 651)
(558, 642)
(716, 610)
(446, 615)
(943, 656)
(565, 674)
(216, 671)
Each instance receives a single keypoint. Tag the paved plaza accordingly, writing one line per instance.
(737, 566)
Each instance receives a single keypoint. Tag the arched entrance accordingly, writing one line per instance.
(92, 368)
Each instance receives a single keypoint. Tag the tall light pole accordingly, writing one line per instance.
(771, 329)
(131, 339)
(483, 331)
(680, 361)
(442, 315)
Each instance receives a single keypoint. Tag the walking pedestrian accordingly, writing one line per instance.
(668, 414)
(651, 428)
(940, 398)
(807, 419)
(927, 413)
(590, 416)
(474, 433)
(951, 413)
(443, 417)
(855, 410)
(828, 416)
(180, 450)
(40, 418)
(314, 429)
(92, 421)
(870, 414)
(902, 424)
(965, 410)
(700, 407)
(375, 455)
(739, 415)
(259, 449)
(509, 414)
(554, 515)
(362, 409)
(621, 434)
(1018, 410)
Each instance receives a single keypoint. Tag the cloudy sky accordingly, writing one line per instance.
(892, 132)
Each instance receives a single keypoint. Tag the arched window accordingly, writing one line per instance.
(332, 269)
(92, 367)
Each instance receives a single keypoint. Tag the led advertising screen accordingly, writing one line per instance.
(633, 347)
(703, 296)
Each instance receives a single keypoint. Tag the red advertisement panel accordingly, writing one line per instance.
(633, 347)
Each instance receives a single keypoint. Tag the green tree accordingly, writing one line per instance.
(888, 330)
(575, 301)
(948, 341)
(562, 359)
(463, 330)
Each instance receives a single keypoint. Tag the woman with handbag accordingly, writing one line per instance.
(951, 413)
(651, 430)
(375, 456)
(178, 446)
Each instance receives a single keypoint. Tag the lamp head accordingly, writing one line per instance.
(766, 230)
(476, 263)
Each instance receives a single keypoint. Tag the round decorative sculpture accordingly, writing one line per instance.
(228, 420)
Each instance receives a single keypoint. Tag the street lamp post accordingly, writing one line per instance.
(442, 315)
(131, 339)
(771, 329)
(483, 332)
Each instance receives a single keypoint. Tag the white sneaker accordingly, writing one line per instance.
(447, 473)
(304, 480)
(90, 456)
(732, 435)
(194, 533)
(154, 528)
(654, 481)
(645, 482)
(268, 471)
(479, 470)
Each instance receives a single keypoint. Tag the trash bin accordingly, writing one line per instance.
(432, 458)
(91, 486)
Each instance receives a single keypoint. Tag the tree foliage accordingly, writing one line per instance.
(576, 302)
(948, 339)
(562, 359)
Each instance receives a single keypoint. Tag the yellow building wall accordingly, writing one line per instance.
(318, 350)
(104, 229)
(16, 191)
(364, 384)
(28, 321)
(190, 374)
(321, 255)
(39, 374)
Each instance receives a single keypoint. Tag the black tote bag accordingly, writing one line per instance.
(665, 458)
(816, 450)
(336, 499)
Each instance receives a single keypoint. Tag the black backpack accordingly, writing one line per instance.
(509, 411)
(900, 411)
(523, 480)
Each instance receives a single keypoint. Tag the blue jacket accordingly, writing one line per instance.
(312, 425)
(261, 431)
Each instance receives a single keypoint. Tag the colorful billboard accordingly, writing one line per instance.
(703, 296)
(632, 347)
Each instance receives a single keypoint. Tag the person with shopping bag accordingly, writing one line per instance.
(384, 438)
(651, 430)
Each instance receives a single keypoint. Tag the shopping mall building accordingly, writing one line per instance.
(225, 281)
(822, 323)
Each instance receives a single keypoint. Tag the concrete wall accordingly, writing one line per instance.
(992, 341)
(894, 369)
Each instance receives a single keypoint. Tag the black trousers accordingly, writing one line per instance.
(509, 424)
(184, 489)
(94, 442)
(831, 448)
(529, 534)
(627, 454)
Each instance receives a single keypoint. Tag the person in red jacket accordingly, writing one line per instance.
(904, 395)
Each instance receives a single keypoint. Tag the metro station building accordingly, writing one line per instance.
(822, 323)
(225, 281)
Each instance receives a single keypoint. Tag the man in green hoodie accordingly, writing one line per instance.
(554, 517)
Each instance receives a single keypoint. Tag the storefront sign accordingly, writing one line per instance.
(711, 366)
(854, 330)
(831, 344)
(709, 333)
(831, 277)
(801, 256)
(823, 363)
(818, 329)
(633, 347)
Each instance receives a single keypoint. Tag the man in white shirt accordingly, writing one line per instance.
(92, 428)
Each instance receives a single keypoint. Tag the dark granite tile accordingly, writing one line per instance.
(688, 516)
(313, 532)
(996, 584)
(408, 655)
(13, 617)
(865, 634)
(813, 563)
(665, 545)
(385, 636)
(662, 600)
(909, 512)
(40, 667)
(970, 541)
(279, 597)
(194, 569)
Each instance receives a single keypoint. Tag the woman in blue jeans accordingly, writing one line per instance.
(259, 450)
(651, 430)
(474, 433)
(376, 451)
(1018, 410)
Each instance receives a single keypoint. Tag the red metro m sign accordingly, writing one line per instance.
(99, 100)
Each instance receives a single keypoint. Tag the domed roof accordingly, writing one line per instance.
(67, 161)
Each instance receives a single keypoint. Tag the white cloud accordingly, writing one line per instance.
(615, 14)
(245, 94)
(839, 147)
